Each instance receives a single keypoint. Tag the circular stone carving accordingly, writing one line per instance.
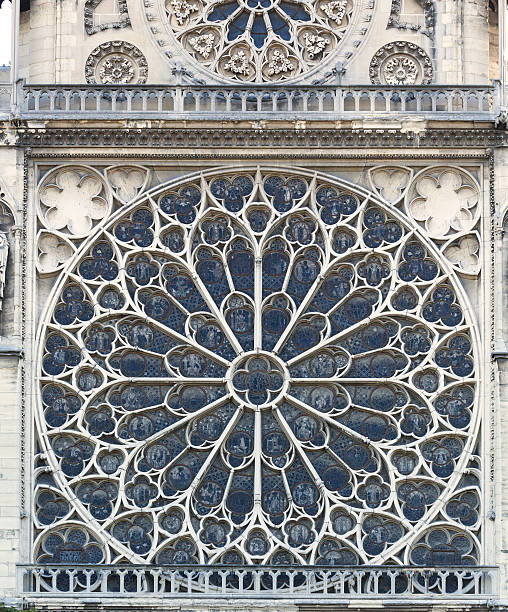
(259, 365)
(401, 63)
(116, 63)
(257, 379)
(72, 200)
(260, 40)
(444, 199)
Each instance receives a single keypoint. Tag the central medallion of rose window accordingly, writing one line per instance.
(258, 379)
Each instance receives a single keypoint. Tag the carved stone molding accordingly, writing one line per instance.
(122, 22)
(116, 62)
(401, 63)
(222, 138)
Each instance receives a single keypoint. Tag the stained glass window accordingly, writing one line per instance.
(261, 40)
(258, 367)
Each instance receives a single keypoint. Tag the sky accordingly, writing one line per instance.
(5, 33)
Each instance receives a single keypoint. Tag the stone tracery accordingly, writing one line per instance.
(229, 362)
(259, 40)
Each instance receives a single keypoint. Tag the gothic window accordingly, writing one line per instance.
(262, 40)
(257, 366)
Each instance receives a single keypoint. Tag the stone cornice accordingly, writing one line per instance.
(257, 136)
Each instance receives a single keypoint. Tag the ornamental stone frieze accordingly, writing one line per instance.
(316, 141)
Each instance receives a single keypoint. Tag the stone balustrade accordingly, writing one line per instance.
(326, 102)
(296, 583)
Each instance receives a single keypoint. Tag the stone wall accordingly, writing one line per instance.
(55, 41)
(11, 420)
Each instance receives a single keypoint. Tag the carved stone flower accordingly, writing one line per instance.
(117, 69)
(238, 63)
(74, 201)
(444, 201)
(334, 10)
(202, 44)
(315, 44)
(182, 10)
(279, 63)
(400, 70)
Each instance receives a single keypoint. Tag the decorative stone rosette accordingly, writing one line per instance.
(116, 62)
(401, 63)
(259, 40)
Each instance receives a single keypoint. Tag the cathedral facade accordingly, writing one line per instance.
(253, 341)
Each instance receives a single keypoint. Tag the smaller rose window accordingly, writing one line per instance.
(259, 40)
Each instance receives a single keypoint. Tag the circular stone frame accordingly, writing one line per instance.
(312, 50)
(399, 52)
(308, 211)
(116, 62)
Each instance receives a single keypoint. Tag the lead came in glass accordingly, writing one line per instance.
(281, 372)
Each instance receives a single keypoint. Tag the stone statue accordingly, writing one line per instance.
(4, 254)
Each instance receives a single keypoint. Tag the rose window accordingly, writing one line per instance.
(258, 367)
(259, 40)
